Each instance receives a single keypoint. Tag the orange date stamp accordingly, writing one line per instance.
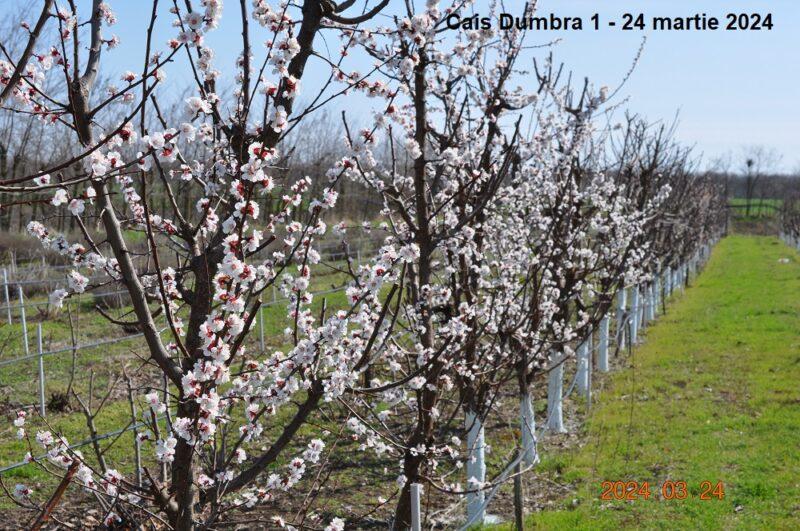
(669, 490)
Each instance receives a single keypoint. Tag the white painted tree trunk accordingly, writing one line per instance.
(653, 302)
(555, 391)
(642, 308)
(658, 295)
(602, 347)
(644, 314)
(584, 358)
(476, 467)
(528, 428)
(668, 281)
(622, 301)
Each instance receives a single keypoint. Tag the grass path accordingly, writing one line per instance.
(713, 394)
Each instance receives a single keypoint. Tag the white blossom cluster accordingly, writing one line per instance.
(500, 246)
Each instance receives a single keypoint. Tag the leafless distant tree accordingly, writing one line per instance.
(756, 162)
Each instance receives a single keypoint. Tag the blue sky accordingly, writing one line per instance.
(731, 89)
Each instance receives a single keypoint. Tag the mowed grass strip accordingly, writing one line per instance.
(712, 394)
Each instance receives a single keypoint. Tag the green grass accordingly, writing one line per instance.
(16, 379)
(711, 395)
(19, 381)
(759, 208)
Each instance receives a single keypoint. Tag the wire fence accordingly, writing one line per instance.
(105, 342)
(40, 354)
(333, 250)
(332, 253)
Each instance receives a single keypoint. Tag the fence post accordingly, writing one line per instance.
(634, 315)
(137, 450)
(41, 368)
(555, 383)
(589, 365)
(602, 353)
(261, 327)
(137, 444)
(5, 292)
(23, 321)
(476, 467)
(416, 517)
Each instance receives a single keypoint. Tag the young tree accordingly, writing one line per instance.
(507, 228)
(204, 267)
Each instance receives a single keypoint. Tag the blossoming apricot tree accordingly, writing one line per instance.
(508, 229)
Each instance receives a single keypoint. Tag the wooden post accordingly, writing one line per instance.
(56, 497)
(519, 498)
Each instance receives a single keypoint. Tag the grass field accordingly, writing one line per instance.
(19, 382)
(711, 395)
(759, 208)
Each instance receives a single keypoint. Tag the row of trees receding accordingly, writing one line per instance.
(510, 213)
